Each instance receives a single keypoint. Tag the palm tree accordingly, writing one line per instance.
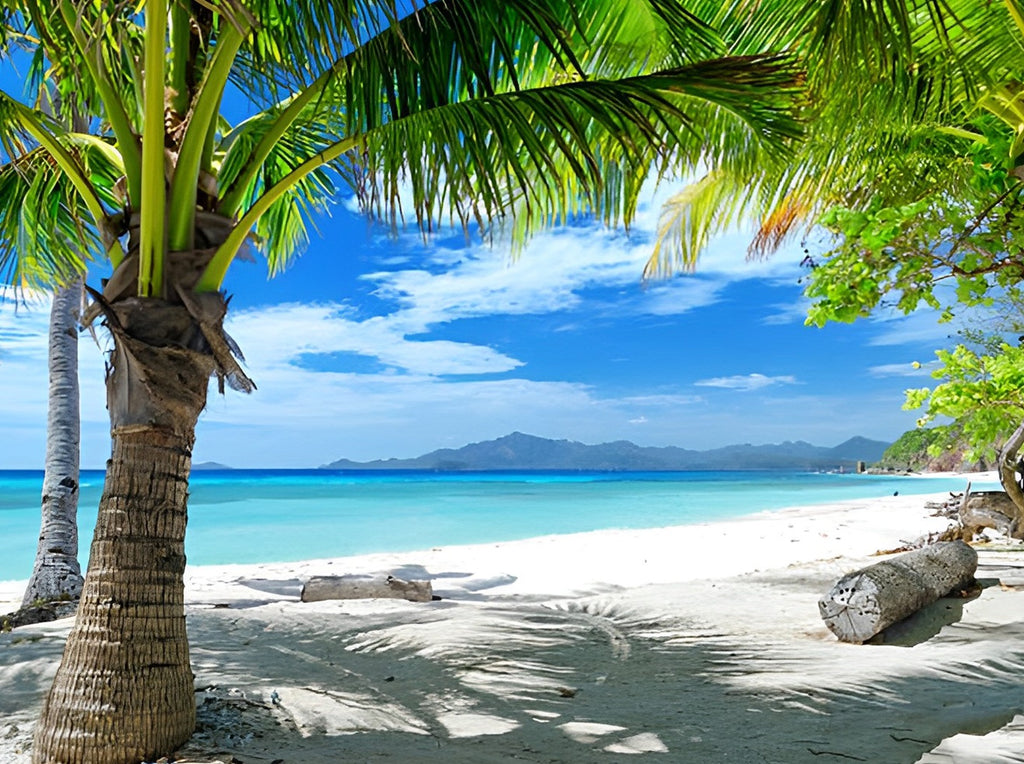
(527, 112)
(56, 572)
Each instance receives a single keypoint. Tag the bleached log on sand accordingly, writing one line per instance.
(344, 588)
(865, 602)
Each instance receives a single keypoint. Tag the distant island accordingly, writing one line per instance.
(529, 452)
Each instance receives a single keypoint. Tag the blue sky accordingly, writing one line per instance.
(375, 346)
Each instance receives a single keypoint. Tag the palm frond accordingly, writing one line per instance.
(563, 149)
(282, 231)
(691, 217)
(884, 77)
(113, 41)
(547, 108)
(43, 240)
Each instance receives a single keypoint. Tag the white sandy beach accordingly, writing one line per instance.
(686, 644)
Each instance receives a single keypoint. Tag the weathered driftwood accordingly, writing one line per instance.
(990, 509)
(976, 510)
(865, 602)
(345, 588)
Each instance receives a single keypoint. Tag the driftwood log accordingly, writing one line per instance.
(974, 511)
(990, 509)
(865, 602)
(346, 588)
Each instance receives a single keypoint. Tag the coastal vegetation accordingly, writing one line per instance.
(952, 245)
(932, 449)
(520, 113)
(920, 197)
(218, 127)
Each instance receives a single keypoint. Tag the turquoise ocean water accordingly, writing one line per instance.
(247, 516)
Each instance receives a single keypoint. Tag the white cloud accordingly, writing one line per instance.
(555, 269)
(666, 400)
(24, 386)
(681, 295)
(746, 382)
(283, 334)
(919, 328)
(551, 275)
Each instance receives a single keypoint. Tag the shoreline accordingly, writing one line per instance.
(291, 559)
(903, 520)
(563, 564)
(700, 641)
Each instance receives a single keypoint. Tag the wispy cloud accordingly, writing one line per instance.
(909, 369)
(746, 381)
(281, 335)
(556, 269)
(921, 327)
(24, 385)
(794, 313)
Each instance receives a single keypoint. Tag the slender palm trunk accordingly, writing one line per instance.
(56, 571)
(123, 692)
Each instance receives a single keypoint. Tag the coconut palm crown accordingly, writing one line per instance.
(521, 113)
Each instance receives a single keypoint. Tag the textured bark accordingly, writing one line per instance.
(989, 509)
(865, 602)
(1009, 464)
(124, 691)
(56, 571)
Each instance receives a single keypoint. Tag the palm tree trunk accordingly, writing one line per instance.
(123, 692)
(56, 571)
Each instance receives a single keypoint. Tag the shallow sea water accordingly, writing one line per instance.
(248, 516)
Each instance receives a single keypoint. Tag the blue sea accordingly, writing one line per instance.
(246, 516)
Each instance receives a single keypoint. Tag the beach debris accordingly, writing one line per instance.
(228, 720)
(39, 611)
(321, 588)
(976, 511)
(865, 602)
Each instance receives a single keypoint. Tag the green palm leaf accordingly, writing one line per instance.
(42, 237)
(533, 104)
(885, 76)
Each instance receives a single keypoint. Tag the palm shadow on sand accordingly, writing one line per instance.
(567, 680)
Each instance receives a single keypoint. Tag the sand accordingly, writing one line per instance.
(687, 644)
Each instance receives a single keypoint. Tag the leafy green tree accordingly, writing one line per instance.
(957, 248)
(911, 449)
(897, 162)
(524, 112)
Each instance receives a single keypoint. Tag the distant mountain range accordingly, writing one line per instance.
(528, 452)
